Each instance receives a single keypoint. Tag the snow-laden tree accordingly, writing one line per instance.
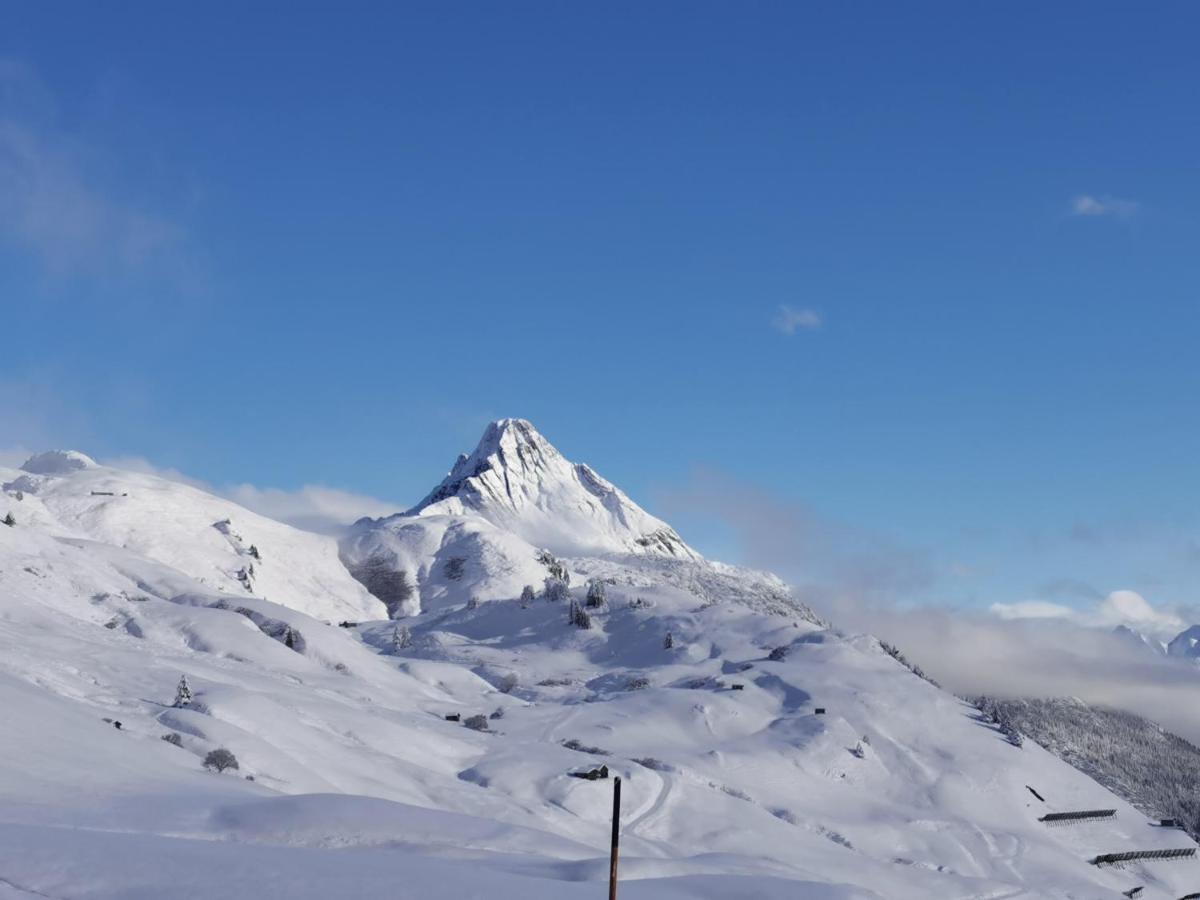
(597, 594)
(578, 616)
(555, 590)
(527, 595)
(9, 520)
(668, 641)
(183, 693)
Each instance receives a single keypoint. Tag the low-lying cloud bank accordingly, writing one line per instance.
(981, 653)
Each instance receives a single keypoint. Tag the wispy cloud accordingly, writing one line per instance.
(311, 507)
(1104, 205)
(55, 205)
(789, 320)
(821, 556)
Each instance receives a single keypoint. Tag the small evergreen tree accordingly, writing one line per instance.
(527, 595)
(183, 693)
(9, 520)
(597, 595)
(668, 641)
(254, 552)
(289, 639)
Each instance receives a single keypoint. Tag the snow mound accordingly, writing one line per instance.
(58, 462)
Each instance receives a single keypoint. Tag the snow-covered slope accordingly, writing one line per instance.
(220, 544)
(764, 755)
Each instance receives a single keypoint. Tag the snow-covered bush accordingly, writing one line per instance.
(476, 723)
(473, 603)
(527, 595)
(637, 684)
(173, 738)
(9, 520)
(778, 654)
(220, 760)
(668, 641)
(497, 713)
(508, 683)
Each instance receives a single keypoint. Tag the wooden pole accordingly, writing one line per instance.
(616, 837)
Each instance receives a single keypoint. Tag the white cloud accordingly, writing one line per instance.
(1090, 205)
(311, 507)
(1118, 608)
(788, 320)
(53, 204)
(1031, 609)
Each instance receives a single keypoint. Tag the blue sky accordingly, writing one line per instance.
(924, 277)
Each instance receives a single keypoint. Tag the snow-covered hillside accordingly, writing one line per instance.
(764, 754)
(223, 546)
(1153, 769)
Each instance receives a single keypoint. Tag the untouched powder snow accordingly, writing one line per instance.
(764, 755)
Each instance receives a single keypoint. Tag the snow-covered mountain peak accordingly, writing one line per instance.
(1186, 643)
(58, 462)
(518, 481)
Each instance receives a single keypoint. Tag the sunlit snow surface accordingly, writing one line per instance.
(114, 584)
